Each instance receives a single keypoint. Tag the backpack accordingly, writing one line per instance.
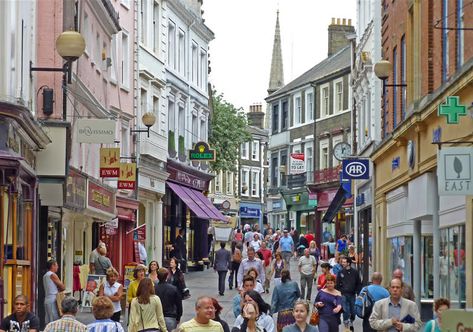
(364, 303)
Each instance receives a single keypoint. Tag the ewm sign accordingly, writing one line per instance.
(356, 169)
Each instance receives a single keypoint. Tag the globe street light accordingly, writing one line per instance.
(148, 120)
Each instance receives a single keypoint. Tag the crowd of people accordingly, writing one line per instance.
(255, 262)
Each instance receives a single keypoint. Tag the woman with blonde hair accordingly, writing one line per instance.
(146, 309)
(114, 291)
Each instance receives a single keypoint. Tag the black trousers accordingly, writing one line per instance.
(221, 281)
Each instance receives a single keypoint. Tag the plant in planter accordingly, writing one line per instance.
(171, 144)
(182, 149)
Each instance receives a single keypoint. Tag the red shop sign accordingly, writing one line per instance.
(100, 197)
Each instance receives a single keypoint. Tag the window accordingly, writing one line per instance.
(144, 101)
(309, 162)
(403, 78)
(297, 110)
(255, 183)
(181, 121)
(460, 33)
(255, 150)
(98, 50)
(86, 31)
(125, 142)
(284, 116)
(125, 61)
(401, 256)
(309, 106)
(445, 58)
(283, 181)
(143, 19)
(156, 106)
(203, 69)
(324, 101)
(275, 119)
(245, 174)
(229, 183)
(203, 130)
(172, 45)
(195, 134)
(274, 170)
(195, 62)
(181, 53)
(338, 104)
(244, 150)
(218, 182)
(113, 57)
(324, 161)
(395, 88)
(156, 27)
(171, 115)
(126, 3)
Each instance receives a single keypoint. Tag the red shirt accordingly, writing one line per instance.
(309, 237)
(321, 281)
(267, 254)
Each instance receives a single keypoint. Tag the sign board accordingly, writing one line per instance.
(202, 152)
(452, 109)
(128, 275)
(94, 281)
(109, 162)
(100, 198)
(455, 171)
(356, 169)
(97, 131)
(296, 163)
(454, 320)
(312, 200)
(127, 177)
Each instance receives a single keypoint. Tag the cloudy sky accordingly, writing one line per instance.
(240, 55)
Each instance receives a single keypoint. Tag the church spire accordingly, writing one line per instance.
(276, 76)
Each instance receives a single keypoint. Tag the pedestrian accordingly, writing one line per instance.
(377, 292)
(146, 309)
(102, 309)
(176, 277)
(93, 257)
(283, 299)
(68, 321)
(307, 268)
(142, 253)
(267, 254)
(303, 242)
(353, 256)
(301, 312)
(171, 300)
(315, 252)
(250, 317)
(256, 242)
(349, 284)
(248, 284)
(249, 262)
(328, 302)
(138, 275)
(204, 311)
(286, 246)
(238, 237)
(341, 245)
(153, 268)
(21, 319)
(435, 325)
(407, 291)
(181, 251)
(331, 247)
(263, 320)
(276, 267)
(52, 286)
(236, 260)
(114, 291)
(218, 310)
(102, 262)
(210, 237)
(395, 313)
(309, 237)
(321, 280)
(337, 267)
(258, 285)
(222, 264)
(248, 237)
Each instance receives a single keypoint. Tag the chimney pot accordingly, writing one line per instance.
(338, 21)
(333, 20)
(344, 21)
(349, 21)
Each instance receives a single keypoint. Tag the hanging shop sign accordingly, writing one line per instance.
(127, 177)
(109, 162)
(76, 190)
(452, 110)
(312, 200)
(296, 163)
(356, 169)
(202, 152)
(100, 197)
(455, 171)
(97, 131)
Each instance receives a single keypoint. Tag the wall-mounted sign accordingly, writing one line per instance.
(296, 163)
(202, 152)
(452, 109)
(249, 212)
(411, 154)
(76, 190)
(360, 199)
(127, 177)
(437, 135)
(356, 169)
(395, 163)
(455, 171)
(98, 131)
(186, 178)
(100, 197)
(277, 205)
(312, 202)
(109, 162)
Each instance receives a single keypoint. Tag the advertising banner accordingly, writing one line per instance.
(127, 177)
(109, 162)
(296, 163)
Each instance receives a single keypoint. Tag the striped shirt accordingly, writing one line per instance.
(104, 325)
(66, 324)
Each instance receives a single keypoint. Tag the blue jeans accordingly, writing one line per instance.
(348, 304)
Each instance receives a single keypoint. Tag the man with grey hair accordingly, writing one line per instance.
(204, 312)
(68, 320)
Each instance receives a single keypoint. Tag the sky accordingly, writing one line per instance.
(240, 54)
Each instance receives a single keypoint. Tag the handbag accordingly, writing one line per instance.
(59, 297)
(152, 329)
(314, 317)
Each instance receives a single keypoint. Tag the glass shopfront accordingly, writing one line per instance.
(452, 265)
(401, 256)
(427, 267)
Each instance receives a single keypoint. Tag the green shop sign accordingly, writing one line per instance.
(452, 109)
(202, 152)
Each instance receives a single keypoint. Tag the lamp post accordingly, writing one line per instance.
(148, 120)
(70, 45)
(383, 70)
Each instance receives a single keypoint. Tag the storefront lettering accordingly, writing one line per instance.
(75, 191)
(100, 198)
(453, 186)
(194, 182)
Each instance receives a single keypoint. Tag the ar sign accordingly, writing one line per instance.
(356, 169)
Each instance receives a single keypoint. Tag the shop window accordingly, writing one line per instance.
(401, 256)
(427, 286)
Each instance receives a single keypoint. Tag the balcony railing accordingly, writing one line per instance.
(327, 175)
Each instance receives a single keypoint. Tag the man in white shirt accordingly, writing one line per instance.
(307, 267)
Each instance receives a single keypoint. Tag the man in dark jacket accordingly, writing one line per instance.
(223, 258)
(349, 284)
(181, 252)
(171, 300)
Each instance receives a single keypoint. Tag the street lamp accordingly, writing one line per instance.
(70, 45)
(148, 120)
(382, 70)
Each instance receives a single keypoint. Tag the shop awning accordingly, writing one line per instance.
(197, 202)
(335, 205)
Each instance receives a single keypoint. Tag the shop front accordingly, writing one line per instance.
(333, 214)
(251, 214)
(301, 210)
(276, 214)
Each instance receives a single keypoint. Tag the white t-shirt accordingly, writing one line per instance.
(307, 264)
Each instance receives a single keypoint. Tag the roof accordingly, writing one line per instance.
(332, 64)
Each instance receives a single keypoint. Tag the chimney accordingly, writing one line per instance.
(256, 116)
(337, 34)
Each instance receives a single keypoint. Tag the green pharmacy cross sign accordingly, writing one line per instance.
(202, 152)
(452, 109)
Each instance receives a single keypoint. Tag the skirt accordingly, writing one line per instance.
(285, 317)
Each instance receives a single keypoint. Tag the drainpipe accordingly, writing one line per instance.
(188, 76)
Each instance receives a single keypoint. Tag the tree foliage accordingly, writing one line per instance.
(229, 131)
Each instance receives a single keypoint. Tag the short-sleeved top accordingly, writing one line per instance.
(11, 323)
(342, 245)
(307, 264)
(286, 243)
(102, 263)
(193, 326)
(428, 326)
(93, 256)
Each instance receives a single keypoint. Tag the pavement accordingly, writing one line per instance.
(205, 283)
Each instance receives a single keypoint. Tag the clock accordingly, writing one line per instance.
(341, 150)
